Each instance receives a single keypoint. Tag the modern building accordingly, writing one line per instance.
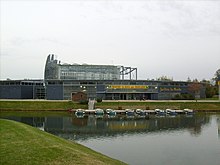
(22, 89)
(107, 82)
(117, 89)
(55, 70)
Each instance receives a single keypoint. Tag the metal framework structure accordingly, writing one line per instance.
(128, 71)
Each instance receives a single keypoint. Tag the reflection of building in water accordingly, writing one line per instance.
(128, 125)
(91, 126)
(38, 122)
(197, 129)
(218, 122)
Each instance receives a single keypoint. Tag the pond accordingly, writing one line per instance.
(172, 140)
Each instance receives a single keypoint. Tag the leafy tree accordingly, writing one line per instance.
(194, 88)
(211, 90)
(189, 80)
(164, 78)
(195, 80)
(216, 77)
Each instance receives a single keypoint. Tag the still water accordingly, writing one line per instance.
(191, 140)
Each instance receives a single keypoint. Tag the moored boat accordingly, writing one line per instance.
(99, 111)
(171, 112)
(188, 111)
(129, 112)
(111, 112)
(141, 113)
(160, 112)
(80, 113)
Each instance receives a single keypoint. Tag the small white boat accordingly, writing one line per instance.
(111, 112)
(129, 112)
(160, 112)
(171, 112)
(80, 113)
(99, 111)
(141, 113)
(188, 111)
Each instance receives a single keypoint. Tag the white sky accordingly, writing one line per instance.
(176, 38)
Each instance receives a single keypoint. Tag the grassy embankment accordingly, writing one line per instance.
(39, 105)
(23, 144)
(200, 106)
(65, 105)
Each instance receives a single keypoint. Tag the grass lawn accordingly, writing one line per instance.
(39, 105)
(22, 144)
(33, 105)
(200, 106)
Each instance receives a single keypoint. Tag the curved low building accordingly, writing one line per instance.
(107, 82)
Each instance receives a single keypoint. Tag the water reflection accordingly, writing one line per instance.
(87, 127)
(155, 140)
(38, 122)
(218, 122)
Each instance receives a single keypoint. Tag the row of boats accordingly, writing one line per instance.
(131, 112)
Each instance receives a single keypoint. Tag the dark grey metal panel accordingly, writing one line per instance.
(154, 96)
(10, 92)
(100, 88)
(27, 92)
(54, 92)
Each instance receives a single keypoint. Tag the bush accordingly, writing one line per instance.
(83, 102)
(177, 97)
(99, 100)
(183, 97)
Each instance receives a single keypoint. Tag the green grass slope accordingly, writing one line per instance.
(65, 105)
(23, 144)
(39, 105)
(200, 106)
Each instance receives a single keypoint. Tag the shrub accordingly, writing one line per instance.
(183, 97)
(177, 97)
(83, 102)
(99, 100)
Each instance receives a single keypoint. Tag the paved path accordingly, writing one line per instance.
(210, 101)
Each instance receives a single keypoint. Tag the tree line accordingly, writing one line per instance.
(195, 86)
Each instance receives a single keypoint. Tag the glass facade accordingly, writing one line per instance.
(89, 72)
(55, 70)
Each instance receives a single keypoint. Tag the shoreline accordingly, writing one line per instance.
(52, 110)
(25, 143)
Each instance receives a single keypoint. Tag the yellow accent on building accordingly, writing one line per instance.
(128, 86)
(219, 82)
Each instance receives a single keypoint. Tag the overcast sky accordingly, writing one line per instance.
(174, 38)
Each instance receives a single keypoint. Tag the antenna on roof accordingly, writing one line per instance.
(52, 58)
